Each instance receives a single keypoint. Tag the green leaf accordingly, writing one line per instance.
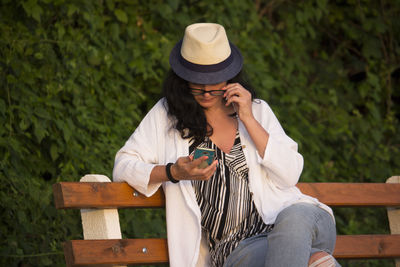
(36, 12)
(110, 4)
(39, 55)
(53, 152)
(60, 30)
(24, 124)
(39, 131)
(71, 9)
(121, 15)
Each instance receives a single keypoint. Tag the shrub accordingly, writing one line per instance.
(77, 77)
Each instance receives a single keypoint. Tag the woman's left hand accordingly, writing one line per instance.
(240, 98)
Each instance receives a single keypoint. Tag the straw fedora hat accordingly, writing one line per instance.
(205, 56)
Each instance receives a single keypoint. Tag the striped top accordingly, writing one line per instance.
(228, 213)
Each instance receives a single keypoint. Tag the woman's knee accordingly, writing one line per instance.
(297, 217)
(307, 223)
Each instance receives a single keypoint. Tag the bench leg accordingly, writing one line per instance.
(100, 223)
(394, 215)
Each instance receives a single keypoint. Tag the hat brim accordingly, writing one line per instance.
(201, 77)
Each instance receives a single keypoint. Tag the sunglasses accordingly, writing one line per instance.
(196, 91)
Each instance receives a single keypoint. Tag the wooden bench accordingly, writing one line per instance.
(99, 201)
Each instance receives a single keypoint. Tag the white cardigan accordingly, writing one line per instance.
(272, 179)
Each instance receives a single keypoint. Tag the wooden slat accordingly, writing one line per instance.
(108, 195)
(130, 251)
(102, 195)
(354, 194)
(367, 246)
(115, 251)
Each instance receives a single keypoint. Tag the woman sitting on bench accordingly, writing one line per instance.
(238, 205)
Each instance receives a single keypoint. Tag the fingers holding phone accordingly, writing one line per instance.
(189, 168)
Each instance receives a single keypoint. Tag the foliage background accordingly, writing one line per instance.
(76, 77)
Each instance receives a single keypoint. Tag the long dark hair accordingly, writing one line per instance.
(189, 116)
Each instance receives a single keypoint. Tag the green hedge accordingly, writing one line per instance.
(76, 77)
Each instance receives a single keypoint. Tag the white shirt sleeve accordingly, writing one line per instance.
(137, 158)
(281, 161)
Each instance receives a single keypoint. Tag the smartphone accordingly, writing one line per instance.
(202, 151)
(234, 114)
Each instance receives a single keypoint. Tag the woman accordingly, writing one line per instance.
(242, 209)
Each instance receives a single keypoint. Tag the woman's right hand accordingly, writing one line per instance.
(185, 168)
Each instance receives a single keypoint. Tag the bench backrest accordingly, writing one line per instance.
(103, 195)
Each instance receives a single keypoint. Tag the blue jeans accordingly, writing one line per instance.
(299, 231)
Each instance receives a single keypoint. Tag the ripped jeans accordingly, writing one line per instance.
(299, 231)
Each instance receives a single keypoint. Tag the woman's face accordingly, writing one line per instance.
(208, 95)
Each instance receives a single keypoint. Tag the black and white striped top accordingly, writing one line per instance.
(228, 213)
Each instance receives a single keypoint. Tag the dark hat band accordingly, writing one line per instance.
(205, 68)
